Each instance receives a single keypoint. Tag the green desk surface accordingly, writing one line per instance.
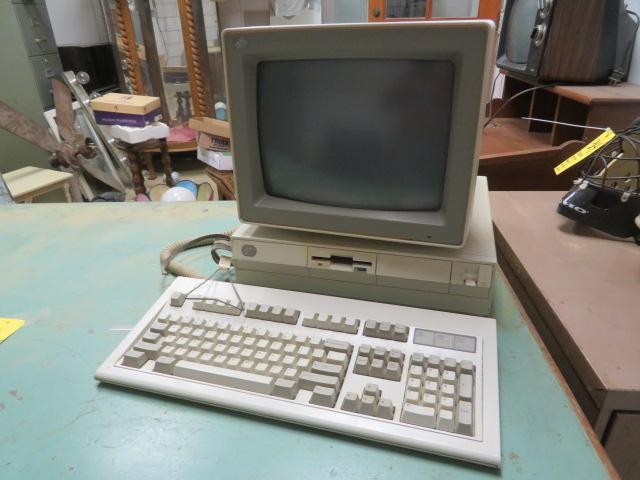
(76, 272)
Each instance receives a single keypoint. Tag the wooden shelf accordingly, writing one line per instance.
(508, 135)
(518, 154)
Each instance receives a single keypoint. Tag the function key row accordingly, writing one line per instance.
(272, 313)
(332, 322)
(386, 330)
(227, 307)
(336, 323)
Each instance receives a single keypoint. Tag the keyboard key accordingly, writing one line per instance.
(433, 374)
(310, 321)
(290, 316)
(206, 358)
(377, 368)
(465, 387)
(396, 356)
(285, 388)
(150, 349)
(464, 425)
(417, 359)
(365, 350)
(224, 376)
(385, 409)
(338, 358)
(393, 372)
(160, 327)
(415, 371)
(351, 325)
(380, 353)
(414, 384)
(337, 346)
(362, 366)
(431, 387)
(372, 389)
(466, 367)
(400, 333)
(418, 415)
(429, 400)
(367, 405)
(449, 377)
(450, 364)
(134, 358)
(445, 420)
(433, 361)
(370, 328)
(327, 369)
(447, 390)
(384, 330)
(323, 396)
(309, 380)
(178, 299)
(164, 365)
(351, 402)
(446, 403)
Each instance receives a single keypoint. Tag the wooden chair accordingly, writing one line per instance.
(487, 9)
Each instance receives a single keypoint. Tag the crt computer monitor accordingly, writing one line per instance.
(367, 130)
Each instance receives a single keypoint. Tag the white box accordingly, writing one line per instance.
(217, 160)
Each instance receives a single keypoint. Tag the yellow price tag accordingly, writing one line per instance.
(587, 150)
(8, 326)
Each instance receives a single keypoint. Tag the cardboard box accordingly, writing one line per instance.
(209, 142)
(217, 160)
(217, 128)
(126, 110)
(124, 103)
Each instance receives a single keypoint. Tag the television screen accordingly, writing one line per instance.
(521, 23)
(369, 134)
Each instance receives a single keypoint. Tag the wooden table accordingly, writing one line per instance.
(78, 285)
(29, 182)
(582, 291)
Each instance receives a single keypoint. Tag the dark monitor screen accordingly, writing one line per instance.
(369, 134)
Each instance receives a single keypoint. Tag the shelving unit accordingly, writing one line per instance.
(520, 154)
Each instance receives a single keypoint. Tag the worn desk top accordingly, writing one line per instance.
(74, 272)
(588, 281)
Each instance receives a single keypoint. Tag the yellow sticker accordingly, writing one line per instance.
(8, 326)
(580, 155)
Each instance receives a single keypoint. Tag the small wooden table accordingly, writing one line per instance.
(29, 182)
(581, 290)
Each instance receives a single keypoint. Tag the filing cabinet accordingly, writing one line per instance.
(40, 44)
(29, 59)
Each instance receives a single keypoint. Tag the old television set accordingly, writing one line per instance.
(359, 130)
(564, 40)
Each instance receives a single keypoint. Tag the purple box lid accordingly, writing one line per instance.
(127, 119)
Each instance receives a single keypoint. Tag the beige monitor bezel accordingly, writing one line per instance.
(468, 44)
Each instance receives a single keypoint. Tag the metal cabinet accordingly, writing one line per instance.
(38, 39)
(30, 58)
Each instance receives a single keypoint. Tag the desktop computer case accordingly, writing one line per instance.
(455, 280)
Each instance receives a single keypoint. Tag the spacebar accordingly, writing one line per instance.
(224, 376)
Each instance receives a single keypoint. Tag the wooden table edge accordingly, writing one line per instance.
(602, 454)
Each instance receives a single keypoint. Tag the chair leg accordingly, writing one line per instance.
(166, 162)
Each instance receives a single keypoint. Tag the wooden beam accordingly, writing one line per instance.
(127, 47)
(153, 61)
(196, 54)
